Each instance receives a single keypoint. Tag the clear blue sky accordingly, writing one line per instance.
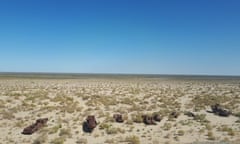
(120, 36)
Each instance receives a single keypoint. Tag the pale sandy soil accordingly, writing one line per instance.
(68, 102)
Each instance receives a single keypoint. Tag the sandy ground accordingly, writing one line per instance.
(67, 103)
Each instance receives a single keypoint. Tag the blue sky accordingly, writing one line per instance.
(120, 36)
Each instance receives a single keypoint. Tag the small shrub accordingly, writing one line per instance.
(40, 139)
(238, 121)
(167, 126)
(65, 132)
(176, 138)
(132, 139)
(237, 114)
(201, 118)
(202, 130)
(112, 130)
(104, 126)
(225, 128)
(54, 129)
(208, 127)
(110, 141)
(137, 118)
(180, 132)
(58, 140)
(129, 122)
(81, 141)
(210, 135)
(7, 114)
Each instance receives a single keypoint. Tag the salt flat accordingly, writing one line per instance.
(67, 102)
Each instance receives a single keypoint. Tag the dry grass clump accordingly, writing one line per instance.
(137, 118)
(127, 101)
(211, 136)
(132, 139)
(2, 104)
(59, 98)
(54, 129)
(41, 139)
(71, 107)
(136, 107)
(204, 100)
(58, 140)
(104, 126)
(129, 122)
(180, 132)
(237, 114)
(167, 126)
(110, 129)
(170, 103)
(101, 100)
(110, 141)
(65, 132)
(81, 141)
(107, 101)
(19, 124)
(186, 122)
(48, 108)
(201, 118)
(202, 131)
(6, 114)
(225, 128)
(109, 118)
(84, 96)
(164, 112)
(114, 130)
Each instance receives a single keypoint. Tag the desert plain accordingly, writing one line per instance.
(66, 102)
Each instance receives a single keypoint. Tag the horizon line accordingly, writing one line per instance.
(137, 74)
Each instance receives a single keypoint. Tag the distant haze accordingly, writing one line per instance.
(120, 36)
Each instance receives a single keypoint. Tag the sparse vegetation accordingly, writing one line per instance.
(58, 140)
(6, 114)
(137, 118)
(65, 132)
(110, 129)
(210, 135)
(167, 126)
(81, 141)
(201, 118)
(54, 129)
(40, 139)
(227, 129)
(132, 139)
(67, 103)
(181, 132)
